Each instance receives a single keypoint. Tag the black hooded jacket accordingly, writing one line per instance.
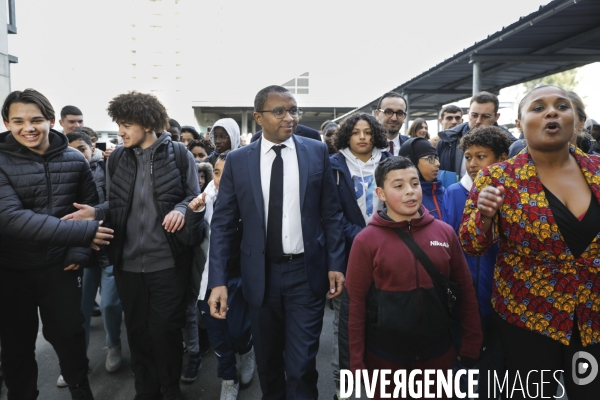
(35, 192)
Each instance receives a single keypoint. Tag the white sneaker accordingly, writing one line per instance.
(248, 365)
(61, 382)
(229, 390)
(113, 358)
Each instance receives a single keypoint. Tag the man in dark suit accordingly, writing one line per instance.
(301, 130)
(292, 249)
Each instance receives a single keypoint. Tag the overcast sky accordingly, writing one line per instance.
(78, 51)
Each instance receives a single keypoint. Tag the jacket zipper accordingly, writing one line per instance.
(437, 206)
(49, 188)
(419, 300)
(154, 193)
(120, 254)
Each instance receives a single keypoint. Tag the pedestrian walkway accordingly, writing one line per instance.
(120, 385)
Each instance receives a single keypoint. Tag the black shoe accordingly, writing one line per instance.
(81, 391)
(204, 342)
(146, 397)
(190, 372)
(96, 310)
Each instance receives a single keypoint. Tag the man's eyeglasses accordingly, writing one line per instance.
(484, 117)
(280, 112)
(389, 113)
(432, 159)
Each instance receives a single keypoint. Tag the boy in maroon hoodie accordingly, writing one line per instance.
(391, 317)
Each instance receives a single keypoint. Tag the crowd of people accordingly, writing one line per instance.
(471, 250)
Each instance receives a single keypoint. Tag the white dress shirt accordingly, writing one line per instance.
(292, 240)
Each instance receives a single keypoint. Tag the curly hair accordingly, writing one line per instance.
(491, 137)
(344, 133)
(204, 143)
(139, 108)
(416, 125)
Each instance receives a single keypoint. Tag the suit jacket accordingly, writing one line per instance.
(240, 196)
(301, 130)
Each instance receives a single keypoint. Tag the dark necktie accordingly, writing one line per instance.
(391, 142)
(274, 223)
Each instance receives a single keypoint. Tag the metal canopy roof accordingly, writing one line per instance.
(562, 35)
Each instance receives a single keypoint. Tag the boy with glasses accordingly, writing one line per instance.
(424, 156)
(391, 112)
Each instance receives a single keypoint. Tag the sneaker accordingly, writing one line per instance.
(96, 310)
(113, 359)
(190, 372)
(61, 382)
(204, 342)
(81, 391)
(248, 364)
(229, 390)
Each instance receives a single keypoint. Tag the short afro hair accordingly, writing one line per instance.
(69, 110)
(492, 137)
(206, 144)
(344, 133)
(391, 164)
(174, 124)
(139, 108)
(263, 94)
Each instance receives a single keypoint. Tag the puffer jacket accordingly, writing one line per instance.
(98, 168)
(390, 307)
(35, 192)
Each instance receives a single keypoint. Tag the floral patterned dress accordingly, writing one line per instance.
(538, 284)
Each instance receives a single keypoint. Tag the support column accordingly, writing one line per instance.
(253, 126)
(244, 122)
(476, 77)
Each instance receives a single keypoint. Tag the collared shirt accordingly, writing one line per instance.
(292, 240)
(396, 141)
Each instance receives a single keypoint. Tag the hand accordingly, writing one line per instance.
(174, 221)
(198, 202)
(489, 201)
(84, 213)
(102, 236)
(107, 152)
(217, 302)
(336, 284)
(72, 267)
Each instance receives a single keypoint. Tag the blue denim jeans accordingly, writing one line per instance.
(111, 307)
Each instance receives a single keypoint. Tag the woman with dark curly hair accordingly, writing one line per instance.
(360, 141)
(419, 128)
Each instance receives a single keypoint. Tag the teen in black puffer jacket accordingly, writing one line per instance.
(35, 192)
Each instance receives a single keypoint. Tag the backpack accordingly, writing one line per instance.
(181, 160)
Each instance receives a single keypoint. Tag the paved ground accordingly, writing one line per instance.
(119, 385)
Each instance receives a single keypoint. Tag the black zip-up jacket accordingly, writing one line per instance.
(35, 192)
(168, 191)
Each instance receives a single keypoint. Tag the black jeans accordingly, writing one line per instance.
(154, 304)
(528, 352)
(57, 294)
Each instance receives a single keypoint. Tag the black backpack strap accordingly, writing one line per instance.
(181, 160)
(113, 160)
